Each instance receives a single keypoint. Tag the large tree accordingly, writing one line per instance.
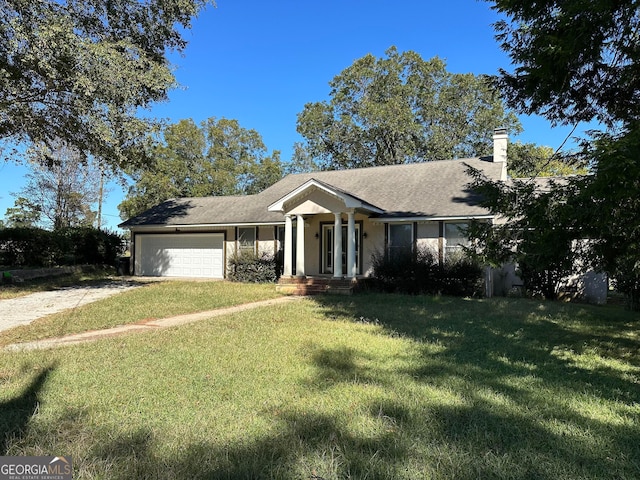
(577, 62)
(80, 71)
(217, 157)
(402, 109)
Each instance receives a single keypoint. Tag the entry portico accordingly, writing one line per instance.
(314, 198)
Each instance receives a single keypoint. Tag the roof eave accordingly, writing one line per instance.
(429, 218)
(203, 225)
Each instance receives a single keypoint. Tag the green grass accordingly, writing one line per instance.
(372, 386)
(150, 301)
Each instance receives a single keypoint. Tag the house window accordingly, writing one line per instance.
(400, 239)
(247, 240)
(455, 238)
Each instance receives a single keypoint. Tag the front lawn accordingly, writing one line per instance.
(151, 301)
(370, 386)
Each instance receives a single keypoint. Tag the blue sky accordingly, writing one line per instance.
(259, 62)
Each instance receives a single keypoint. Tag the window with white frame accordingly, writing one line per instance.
(247, 239)
(455, 237)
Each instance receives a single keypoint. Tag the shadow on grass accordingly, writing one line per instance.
(507, 337)
(16, 413)
(501, 363)
(340, 365)
(518, 365)
(307, 445)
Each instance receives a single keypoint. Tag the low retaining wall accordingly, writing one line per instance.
(30, 274)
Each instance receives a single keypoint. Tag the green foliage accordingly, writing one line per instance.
(531, 160)
(608, 208)
(218, 157)
(252, 268)
(81, 71)
(26, 246)
(578, 61)
(536, 230)
(574, 61)
(422, 273)
(402, 109)
(35, 247)
(301, 161)
(24, 213)
(263, 173)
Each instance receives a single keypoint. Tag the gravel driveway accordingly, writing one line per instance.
(24, 310)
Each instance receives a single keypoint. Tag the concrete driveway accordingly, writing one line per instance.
(24, 310)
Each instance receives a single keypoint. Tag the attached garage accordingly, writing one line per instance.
(180, 255)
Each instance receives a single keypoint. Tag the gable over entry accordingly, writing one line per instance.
(314, 198)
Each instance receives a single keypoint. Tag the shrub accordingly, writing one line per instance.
(89, 246)
(422, 273)
(252, 268)
(35, 247)
(461, 276)
(27, 247)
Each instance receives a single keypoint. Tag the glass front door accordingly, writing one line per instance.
(328, 245)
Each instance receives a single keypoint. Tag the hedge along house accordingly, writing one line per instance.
(326, 224)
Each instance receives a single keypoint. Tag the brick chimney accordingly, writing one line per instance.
(500, 140)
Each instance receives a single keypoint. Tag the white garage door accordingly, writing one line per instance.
(183, 255)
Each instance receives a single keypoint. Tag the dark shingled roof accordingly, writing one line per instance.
(434, 189)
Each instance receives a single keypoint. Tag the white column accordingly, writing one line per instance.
(299, 246)
(337, 246)
(351, 245)
(288, 245)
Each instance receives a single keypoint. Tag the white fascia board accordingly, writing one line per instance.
(204, 225)
(431, 219)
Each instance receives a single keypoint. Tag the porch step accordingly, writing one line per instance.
(315, 285)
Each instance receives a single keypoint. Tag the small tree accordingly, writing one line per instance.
(578, 62)
(611, 198)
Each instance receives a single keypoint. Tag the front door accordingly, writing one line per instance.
(328, 244)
